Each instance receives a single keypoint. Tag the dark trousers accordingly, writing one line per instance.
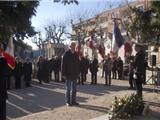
(82, 78)
(8, 83)
(131, 80)
(114, 73)
(93, 78)
(27, 79)
(138, 85)
(56, 75)
(108, 77)
(120, 74)
(18, 81)
(2, 109)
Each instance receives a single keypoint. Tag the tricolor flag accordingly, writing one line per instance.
(9, 53)
(78, 46)
(117, 39)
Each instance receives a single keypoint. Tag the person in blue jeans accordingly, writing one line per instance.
(70, 73)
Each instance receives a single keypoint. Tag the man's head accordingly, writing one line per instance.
(73, 46)
(138, 47)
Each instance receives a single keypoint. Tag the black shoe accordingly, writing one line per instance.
(75, 103)
(68, 104)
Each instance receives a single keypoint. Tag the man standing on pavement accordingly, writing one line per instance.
(139, 68)
(70, 73)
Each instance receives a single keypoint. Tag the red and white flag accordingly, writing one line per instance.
(78, 46)
(9, 53)
(101, 50)
(91, 43)
(127, 46)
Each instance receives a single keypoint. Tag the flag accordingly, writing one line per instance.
(91, 43)
(101, 50)
(9, 53)
(117, 39)
(127, 46)
(78, 46)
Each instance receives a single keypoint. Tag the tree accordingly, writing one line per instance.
(145, 24)
(81, 24)
(54, 33)
(37, 39)
(16, 19)
(67, 2)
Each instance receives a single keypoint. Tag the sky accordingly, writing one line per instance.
(49, 11)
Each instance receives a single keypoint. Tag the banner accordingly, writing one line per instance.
(117, 38)
(9, 53)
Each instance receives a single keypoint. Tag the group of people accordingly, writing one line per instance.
(46, 67)
(110, 67)
(21, 70)
(72, 68)
(71, 71)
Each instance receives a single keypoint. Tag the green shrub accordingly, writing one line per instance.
(126, 107)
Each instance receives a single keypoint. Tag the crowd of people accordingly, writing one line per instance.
(73, 69)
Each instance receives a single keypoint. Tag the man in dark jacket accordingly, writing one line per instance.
(120, 68)
(18, 71)
(70, 73)
(139, 68)
(57, 68)
(94, 70)
(27, 72)
(3, 89)
(84, 65)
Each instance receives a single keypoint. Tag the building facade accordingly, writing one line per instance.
(103, 23)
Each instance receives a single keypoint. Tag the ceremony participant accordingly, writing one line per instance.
(18, 71)
(57, 68)
(114, 68)
(70, 73)
(40, 72)
(27, 72)
(108, 69)
(84, 65)
(94, 69)
(3, 80)
(131, 72)
(139, 68)
(120, 68)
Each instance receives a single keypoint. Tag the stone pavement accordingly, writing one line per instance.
(46, 101)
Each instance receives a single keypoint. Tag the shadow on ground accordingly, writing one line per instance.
(35, 99)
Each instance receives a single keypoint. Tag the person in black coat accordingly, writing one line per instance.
(114, 69)
(94, 69)
(139, 68)
(18, 71)
(131, 72)
(40, 72)
(84, 65)
(46, 70)
(70, 73)
(57, 68)
(27, 72)
(3, 88)
(120, 68)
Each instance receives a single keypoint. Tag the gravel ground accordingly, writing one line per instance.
(46, 102)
